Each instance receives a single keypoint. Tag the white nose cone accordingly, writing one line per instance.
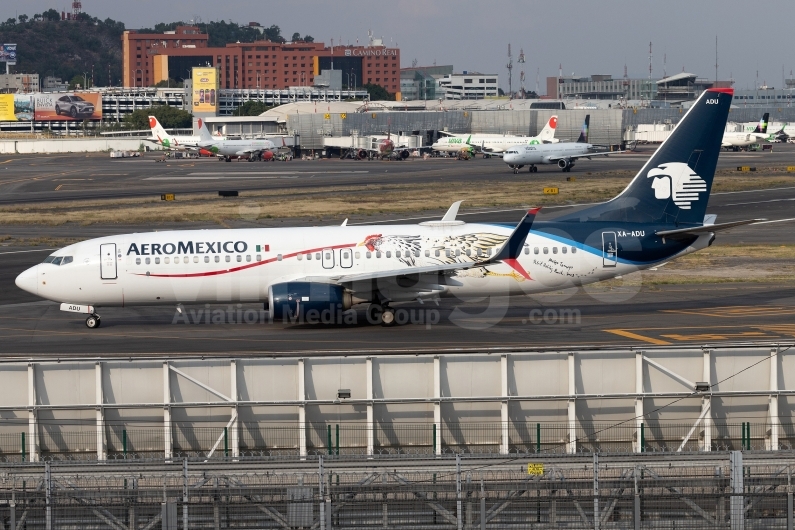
(29, 280)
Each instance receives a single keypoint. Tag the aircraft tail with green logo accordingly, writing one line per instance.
(163, 138)
(762, 127)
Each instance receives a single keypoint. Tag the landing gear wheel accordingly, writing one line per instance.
(388, 317)
(93, 321)
(535, 169)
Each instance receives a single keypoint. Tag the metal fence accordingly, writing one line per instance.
(720, 491)
(76, 442)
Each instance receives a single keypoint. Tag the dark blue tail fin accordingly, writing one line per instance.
(583, 139)
(673, 186)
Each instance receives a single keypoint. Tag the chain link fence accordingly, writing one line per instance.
(720, 491)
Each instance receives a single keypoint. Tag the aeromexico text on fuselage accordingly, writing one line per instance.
(189, 247)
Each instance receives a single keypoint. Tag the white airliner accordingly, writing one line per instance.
(179, 143)
(737, 140)
(564, 154)
(491, 143)
(225, 149)
(300, 272)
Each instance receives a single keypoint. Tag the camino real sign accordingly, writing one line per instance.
(372, 52)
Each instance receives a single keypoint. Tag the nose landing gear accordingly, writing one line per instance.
(93, 321)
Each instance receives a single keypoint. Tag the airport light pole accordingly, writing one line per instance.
(85, 80)
(354, 79)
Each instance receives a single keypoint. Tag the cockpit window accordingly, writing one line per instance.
(58, 260)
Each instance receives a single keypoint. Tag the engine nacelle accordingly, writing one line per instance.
(404, 154)
(361, 154)
(563, 163)
(307, 301)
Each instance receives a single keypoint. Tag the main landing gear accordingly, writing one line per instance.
(93, 321)
(532, 169)
(380, 314)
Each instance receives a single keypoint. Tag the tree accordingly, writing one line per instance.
(296, 37)
(169, 118)
(251, 108)
(51, 15)
(170, 83)
(78, 81)
(23, 18)
(378, 93)
(308, 38)
(274, 34)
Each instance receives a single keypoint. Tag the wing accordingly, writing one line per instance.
(586, 155)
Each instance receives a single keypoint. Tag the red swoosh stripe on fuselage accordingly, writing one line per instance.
(248, 265)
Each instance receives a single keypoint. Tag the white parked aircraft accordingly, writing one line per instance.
(301, 272)
(737, 140)
(491, 143)
(225, 149)
(564, 154)
(179, 143)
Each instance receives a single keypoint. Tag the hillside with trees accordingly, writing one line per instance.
(70, 49)
(66, 49)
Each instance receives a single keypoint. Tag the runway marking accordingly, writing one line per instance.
(630, 335)
(775, 221)
(753, 191)
(107, 175)
(58, 187)
(735, 311)
(700, 337)
(7, 161)
(243, 173)
(759, 202)
(26, 251)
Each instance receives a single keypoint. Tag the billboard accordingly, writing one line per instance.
(8, 53)
(68, 106)
(205, 90)
(16, 107)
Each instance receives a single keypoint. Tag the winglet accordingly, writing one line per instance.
(345, 222)
(452, 212)
(512, 248)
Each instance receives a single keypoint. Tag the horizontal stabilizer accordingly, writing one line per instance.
(705, 229)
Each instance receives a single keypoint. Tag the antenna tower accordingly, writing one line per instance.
(521, 74)
(509, 66)
(77, 8)
(650, 56)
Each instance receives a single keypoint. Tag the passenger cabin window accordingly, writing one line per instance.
(573, 250)
(388, 253)
(259, 257)
(147, 261)
(309, 256)
(195, 259)
(228, 259)
(157, 261)
(137, 261)
(563, 249)
(554, 250)
(427, 253)
(357, 255)
(527, 250)
(546, 250)
(239, 258)
(377, 253)
(535, 250)
(206, 259)
(369, 255)
(167, 260)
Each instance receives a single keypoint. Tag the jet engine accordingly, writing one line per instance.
(563, 163)
(361, 154)
(404, 154)
(309, 301)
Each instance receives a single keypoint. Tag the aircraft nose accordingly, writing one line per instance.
(29, 280)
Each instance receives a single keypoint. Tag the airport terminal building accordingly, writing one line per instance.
(150, 58)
